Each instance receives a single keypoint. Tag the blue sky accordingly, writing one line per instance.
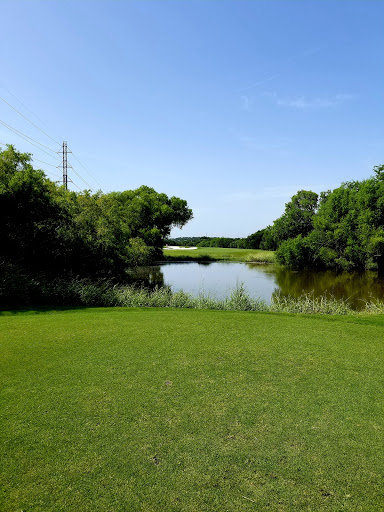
(233, 105)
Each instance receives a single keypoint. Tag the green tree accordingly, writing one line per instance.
(150, 215)
(348, 229)
(50, 230)
(253, 241)
(297, 219)
(34, 216)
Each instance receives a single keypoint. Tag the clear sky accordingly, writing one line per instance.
(233, 105)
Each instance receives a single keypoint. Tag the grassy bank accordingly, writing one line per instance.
(238, 300)
(154, 410)
(217, 253)
(104, 294)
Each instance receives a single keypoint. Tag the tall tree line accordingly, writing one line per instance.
(47, 230)
(342, 229)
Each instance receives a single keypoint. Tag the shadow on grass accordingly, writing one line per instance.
(36, 310)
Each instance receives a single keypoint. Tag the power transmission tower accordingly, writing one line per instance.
(65, 164)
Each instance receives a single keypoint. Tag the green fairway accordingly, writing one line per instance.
(188, 410)
(218, 253)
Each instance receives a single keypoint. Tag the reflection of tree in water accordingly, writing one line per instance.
(267, 269)
(150, 277)
(356, 287)
(353, 286)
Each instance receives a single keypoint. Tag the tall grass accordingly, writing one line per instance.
(260, 257)
(307, 303)
(130, 296)
(374, 307)
(103, 293)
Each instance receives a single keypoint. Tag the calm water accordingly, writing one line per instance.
(219, 278)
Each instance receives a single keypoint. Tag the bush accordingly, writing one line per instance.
(296, 253)
(239, 299)
(138, 253)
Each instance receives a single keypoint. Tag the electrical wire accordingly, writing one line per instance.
(82, 179)
(25, 137)
(49, 172)
(60, 178)
(56, 176)
(75, 157)
(73, 183)
(25, 106)
(46, 163)
(35, 125)
(42, 131)
(28, 137)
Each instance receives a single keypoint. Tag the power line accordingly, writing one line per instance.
(25, 106)
(49, 172)
(25, 137)
(28, 137)
(65, 166)
(35, 125)
(82, 179)
(74, 156)
(60, 178)
(44, 170)
(73, 183)
(46, 163)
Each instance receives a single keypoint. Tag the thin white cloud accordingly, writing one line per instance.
(247, 102)
(288, 60)
(284, 192)
(303, 102)
(256, 144)
(268, 78)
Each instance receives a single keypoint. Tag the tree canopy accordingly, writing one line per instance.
(346, 231)
(297, 219)
(47, 229)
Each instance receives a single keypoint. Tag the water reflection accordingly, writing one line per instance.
(354, 287)
(151, 277)
(219, 278)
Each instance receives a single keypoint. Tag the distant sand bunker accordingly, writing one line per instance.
(176, 247)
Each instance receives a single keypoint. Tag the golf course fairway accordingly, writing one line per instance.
(161, 410)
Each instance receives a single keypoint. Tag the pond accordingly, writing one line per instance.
(261, 281)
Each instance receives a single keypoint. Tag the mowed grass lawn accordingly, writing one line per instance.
(219, 253)
(188, 410)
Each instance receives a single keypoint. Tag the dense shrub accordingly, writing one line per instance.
(343, 231)
(47, 232)
(295, 253)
